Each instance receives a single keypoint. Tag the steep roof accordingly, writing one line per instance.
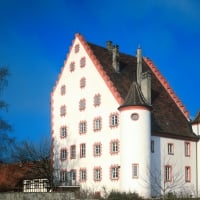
(196, 119)
(169, 117)
(135, 97)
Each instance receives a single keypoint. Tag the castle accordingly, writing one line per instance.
(117, 124)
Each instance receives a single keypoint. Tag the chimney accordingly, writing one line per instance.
(109, 45)
(139, 65)
(115, 60)
(146, 86)
(143, 78)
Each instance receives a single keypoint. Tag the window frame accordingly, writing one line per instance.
(82, 150)
(82, 104)
(63, 110)
(97, 100)
(168, 173)
(63, 132)
(82, 62)
(187, 174)
(82, 127)
(114, 146)
(97, 174)
(63, 174)
(114, 172)
(82, 82)
(114, 120)
(63, 154)
(97, 151)
(97, 124)
(170, 148)
(135, 169)
(73, 151)
(83, 175)
(187, 149)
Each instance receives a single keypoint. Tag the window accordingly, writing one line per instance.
(114, 172)
(170, 148)
(73, 152)
(83, 175)
(113, 120)
(82, 127)
(97, 100)
(97, 124)
(62, 90)
(168, 173)
(63, 111)
(135, 170)
(187, 149)
(63, 154)
(97, 149)
(63, 176)
(36, 183)
(97, 174)
(73, 175)
(63, 132)
(187, 174)
(82, 82)
(82, 62)
(27, 184)
(76, 48)
(114, 147)
(82, 103)
(152, 146)
(72, 66)
(82, 150)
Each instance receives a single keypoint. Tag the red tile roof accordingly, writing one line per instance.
(169, 117)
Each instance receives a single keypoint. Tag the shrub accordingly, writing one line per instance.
(115, 195)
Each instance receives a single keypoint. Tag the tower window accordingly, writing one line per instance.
(135, 170)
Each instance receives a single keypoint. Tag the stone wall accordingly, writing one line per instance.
(37, 196)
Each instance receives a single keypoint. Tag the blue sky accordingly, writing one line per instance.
(35, 36)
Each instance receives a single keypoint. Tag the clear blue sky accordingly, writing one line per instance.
(35, 36)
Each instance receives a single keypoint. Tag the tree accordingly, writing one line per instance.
(37, 154)
(5, 127)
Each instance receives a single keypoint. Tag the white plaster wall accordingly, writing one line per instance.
(94, 85)
(135, 148)
(178, 161)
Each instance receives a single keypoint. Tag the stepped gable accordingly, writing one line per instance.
(196, 119)
(168, 120)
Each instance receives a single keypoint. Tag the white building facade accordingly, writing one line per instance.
(109, 130)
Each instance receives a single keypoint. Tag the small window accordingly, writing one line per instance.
(114, 170)
(170, 148)
(63, 90)
(187, 174)
(73, 152)
(63, 154)
(82, 150)
(72, 66)
(83, 175)
(63, 111)
(63, 132)
(63, 176)
(97, 124)
(82, 127)
(82, 82)
(82, 62)
(114, 120)
(82, 104)
(187, 149)
(97, 149)
(73, 175)
(114, 147)
(76, 48)
(97, 174)
(152, 146)
(168, 173)
(97, 100)
(135, 171)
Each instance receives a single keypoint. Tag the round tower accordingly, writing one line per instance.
(135, 139)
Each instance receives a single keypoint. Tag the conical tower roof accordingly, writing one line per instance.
(135, 97)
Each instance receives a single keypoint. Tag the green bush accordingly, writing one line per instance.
(115, 195)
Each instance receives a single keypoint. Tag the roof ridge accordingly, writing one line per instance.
(99, 67)
(167, 87)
